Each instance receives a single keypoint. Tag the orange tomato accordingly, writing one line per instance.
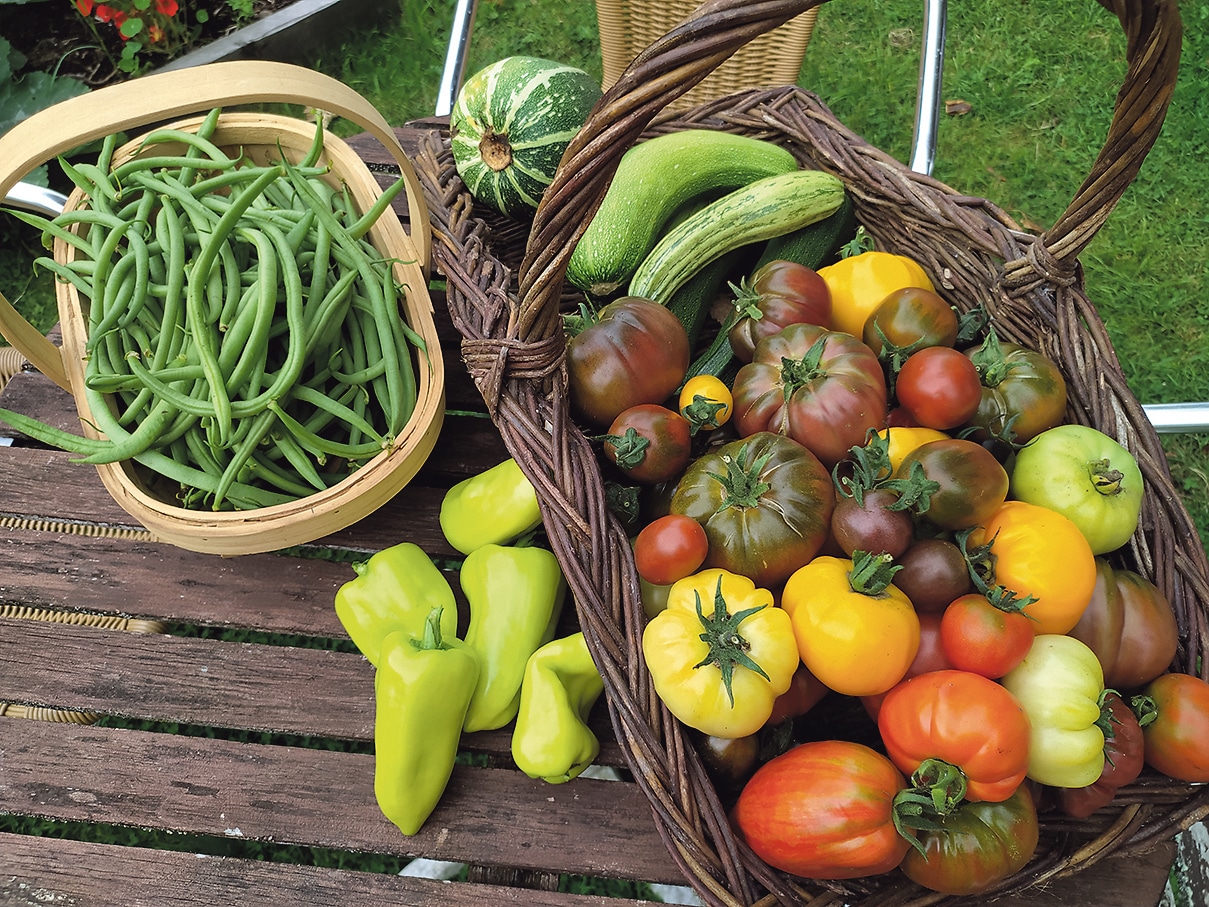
(1040, 553)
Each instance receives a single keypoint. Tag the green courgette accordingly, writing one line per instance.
(758, 211)
(814, 245)
(653, 180)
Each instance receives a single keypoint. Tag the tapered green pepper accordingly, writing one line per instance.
(516, 597)
(422, 690)
(496, 506)
(552, 739)
(396, 589)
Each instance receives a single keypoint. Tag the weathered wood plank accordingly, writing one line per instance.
(39, 871)
(210, 683)
(318, 798)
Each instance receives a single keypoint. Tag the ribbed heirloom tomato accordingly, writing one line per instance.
(823, 811)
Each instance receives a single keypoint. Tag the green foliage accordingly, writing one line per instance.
(23, 94)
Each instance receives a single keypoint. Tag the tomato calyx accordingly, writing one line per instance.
(742, 486)
(871, 573)
(861, 242)
(727, 647)
(868, 468)
(1144, 708)
(629, 448)
(796, 373)
(980, 560)
(937, 789)
(703, 413)
(1106, 480)
(747, 301)
(576, 323)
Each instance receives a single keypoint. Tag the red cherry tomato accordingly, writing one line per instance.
(649, 443)
(978, 636)
(670, 548)
(939, 387)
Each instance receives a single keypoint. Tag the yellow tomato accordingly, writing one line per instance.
(1040, 553)
(857, 639)
(859, 283)
(902, 439)
(706, 402)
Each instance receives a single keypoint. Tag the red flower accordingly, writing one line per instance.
(166, 7)
(106, 13)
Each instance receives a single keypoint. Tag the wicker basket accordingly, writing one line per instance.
(774, 58)
(1032, 285)
(161, 97)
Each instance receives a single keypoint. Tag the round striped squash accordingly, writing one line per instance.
(510, 125)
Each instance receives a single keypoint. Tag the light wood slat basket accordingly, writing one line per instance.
(159, 99)
(627, 27)
(507, 302)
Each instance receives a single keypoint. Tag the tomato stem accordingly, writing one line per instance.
(871, 573)
(937, 789)
(727, 647)
(1104, 478)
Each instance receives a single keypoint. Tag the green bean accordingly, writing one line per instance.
(326, 404)
(297, 485)
(294, 454)
(248, 496)
(323, 446)
(258, 429)
(361, 226)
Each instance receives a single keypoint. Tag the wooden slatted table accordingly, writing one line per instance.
(244, 729)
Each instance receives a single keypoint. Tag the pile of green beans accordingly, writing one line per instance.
(245, 340)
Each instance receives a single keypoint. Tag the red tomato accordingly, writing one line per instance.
(978, 636)
(825, 389)
(1123, 760)
(804, 693)
(649, 443)
(965, 719)
(823, 811)
(670, 548)
(632, 351)
(939, 387)
(1175, 738)
(779, 294)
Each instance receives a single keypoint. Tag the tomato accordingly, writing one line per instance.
(670, 548)
(871, 523)
(632, 351)
(1039, 553)
(1087, 477)
(706, 402)
(1123, 760)
(729, 761)
(976, 846)
(765, 502)
(649, 443)
(985, 638)
(972, 483)
(1023, 391)
(939, 387)
(929, 657)
(933, 573)
(905, 438)
(859, 284)
(856, 632)
(1175, 737)
(1060, 685)
(908, 320)
(780, 293)
(823, 811)
(804, 693)
(964, 719)
(1130, 626)
(822, 388)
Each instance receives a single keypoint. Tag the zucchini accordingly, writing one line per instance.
(814, 245)
(653, 180)
(761, 210)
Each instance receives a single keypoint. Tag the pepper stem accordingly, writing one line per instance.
(432, 632)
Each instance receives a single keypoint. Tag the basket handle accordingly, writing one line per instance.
(674, 63)
(164, 96)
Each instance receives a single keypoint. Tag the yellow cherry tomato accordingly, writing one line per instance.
(706, 402)
(856, 632)
(902, 439)
(859, 284)
(1040, 553)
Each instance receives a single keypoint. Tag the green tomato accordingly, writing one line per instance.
(1087, 477)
